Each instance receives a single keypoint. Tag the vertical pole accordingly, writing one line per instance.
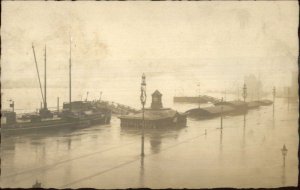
(238, 93)
(244, 131)
(258, 95)
(284, 151)
(244, 120)
(222, 116)
(57, 104)
(87, 94)
(13, 108)
(70, 78)
(244, 92)
(143, 101)
(222, 121)
(274, 93)
(288, 97)
(143, 128)
(45, 85)
(199, 95)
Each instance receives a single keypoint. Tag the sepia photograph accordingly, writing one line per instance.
(141, 94)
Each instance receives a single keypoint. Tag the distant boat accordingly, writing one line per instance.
(265, 102)
(155, 117)
(240, 107)
(76, 114)
(190, 99)
(195, 99)
(235, 107)
(253, 104)
(210, 112)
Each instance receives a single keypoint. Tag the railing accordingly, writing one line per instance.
(117, 108)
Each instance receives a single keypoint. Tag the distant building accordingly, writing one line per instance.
(155, 116)
(254, 87)
(294, 85)
(156, 100)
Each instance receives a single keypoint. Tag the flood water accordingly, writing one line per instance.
(243, 154)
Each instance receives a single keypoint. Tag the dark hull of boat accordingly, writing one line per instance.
(59, 125)
(198, 116)
(166, 123)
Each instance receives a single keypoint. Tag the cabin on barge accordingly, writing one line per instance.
(155, 117)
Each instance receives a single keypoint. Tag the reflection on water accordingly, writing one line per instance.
(221, 141)
(244, 132)
(108, 156)
(155, 135)
(283, 176)
(142, 172)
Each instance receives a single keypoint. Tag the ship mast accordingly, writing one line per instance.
(70, 79)
(37, 70)
(45, 91)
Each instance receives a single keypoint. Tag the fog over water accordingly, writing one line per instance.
(243, 155)
(184, 49)
(185, 42)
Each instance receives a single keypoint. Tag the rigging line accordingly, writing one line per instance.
(37, 69)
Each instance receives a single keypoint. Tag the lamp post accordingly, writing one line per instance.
(245, 92)
(244, 96)
(199, 94)
(284, 151)
(288, 97)
(274, 94)
(57, 105)
(143, 98)
(100, 96)
(222, 114)
(87, 95)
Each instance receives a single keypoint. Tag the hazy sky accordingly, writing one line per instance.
(181, 43)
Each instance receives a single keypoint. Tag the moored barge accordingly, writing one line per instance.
(155, 117)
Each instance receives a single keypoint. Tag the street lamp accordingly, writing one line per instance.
(288, 97)
(284, 151)
(199, 94)
(100, 96)
(143, 98)
(274, 94)
(222, 114)
(245, 92)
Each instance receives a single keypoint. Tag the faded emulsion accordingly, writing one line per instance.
(149, 95)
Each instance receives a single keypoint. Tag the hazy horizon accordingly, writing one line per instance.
(209, 42)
